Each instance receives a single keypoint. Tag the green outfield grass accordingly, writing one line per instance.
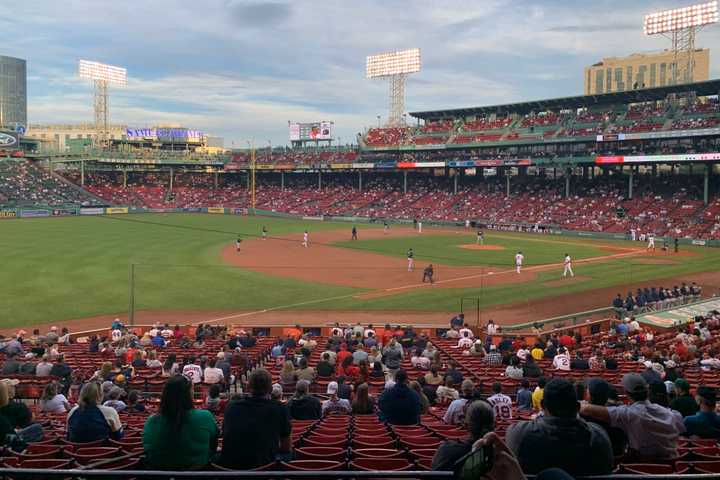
(73, 267)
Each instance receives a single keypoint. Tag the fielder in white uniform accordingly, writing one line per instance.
(518, 261)
(419, 227)
(306, 239)
(633, 234)
(568, 266)
(651, 242)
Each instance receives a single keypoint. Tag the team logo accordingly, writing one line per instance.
(7, 140)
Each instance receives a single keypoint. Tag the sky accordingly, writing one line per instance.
(240, 69)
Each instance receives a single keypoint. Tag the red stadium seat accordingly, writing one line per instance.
(388, 464)
(321, 453)
(313, 465)
(646, 468)
(376, 453)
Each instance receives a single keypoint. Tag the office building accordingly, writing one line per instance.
(13, 91)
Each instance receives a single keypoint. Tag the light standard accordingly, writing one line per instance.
(270, 150)
(378, 119)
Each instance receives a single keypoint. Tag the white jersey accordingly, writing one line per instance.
(305, 237)
(466, 332)
(568, 260)
(502, 404)
(492, 329)
(465, 342)
(519, 259)
(193, 372)
(368, 331)
(561, 362)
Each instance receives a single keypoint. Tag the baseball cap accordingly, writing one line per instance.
(708, 394)
(634, 383)
(332, 388)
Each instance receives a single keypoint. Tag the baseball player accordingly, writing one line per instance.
(633, 234)
(428, 274)
(237, 244)
(480, 238)
(306, 239)
(467, 224)
(354, 233)
(651, 242)
(386, 227)
(568, 266)
(410, 255)
(264, 232)
(518, 261)
(419, 227)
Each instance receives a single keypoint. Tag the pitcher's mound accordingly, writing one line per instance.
(473, 246)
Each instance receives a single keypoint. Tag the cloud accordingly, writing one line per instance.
(259, 14)
(597, 28)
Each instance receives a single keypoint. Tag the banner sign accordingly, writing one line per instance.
(363, 165)
(336, 166)
(420, 164)
(512, 162)
(8, 140)
(34, 213)
(91, 211)
(8, 214)
(684, 157)
(239, 211)
(216, 210)
(697, 132)
(63, 212)
(116, 210)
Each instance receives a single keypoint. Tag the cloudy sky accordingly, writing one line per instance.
(241, 69)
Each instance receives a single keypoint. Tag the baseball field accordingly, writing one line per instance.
(76, 271)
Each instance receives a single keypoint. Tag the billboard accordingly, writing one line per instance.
(165, 135)
(311, 131)
(8, 140)
(671, 158)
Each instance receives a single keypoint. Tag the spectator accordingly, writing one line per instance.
(433, 377)
(500, 402)
(212, 374)
(63, 372)
(377, 371)
(170, 367)
(114, 399)
(89, 421)
(652, 430)
(16, 411)
(255, 429)
(392, 355)
(455, 414)
(514, 370)
(453, 373)
(562, 360)
(598, 392)
(531, 369)
(287, 374)
(479, 419)
(359, 355)
(560, 438)
(213, 402)
(11, 366)
(52, 401)
(447, 393)
(276, 394)
(133, 402)
(705, 423)
(524, 396)
(493, 357)
(579, 363)
(418, 386)
(305, 372)
(138, 361)
(191, 370)
(538, 393)
(335, 404)
(302, 405)
(152, 360)
(6, 426)
(42, 369)
(684, 402)
(347, 369)
(179, 436)
(344, 390)
(400, 405)
(363, 404)
(324, 367)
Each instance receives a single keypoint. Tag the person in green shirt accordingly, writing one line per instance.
(179, 436)
(684, 402)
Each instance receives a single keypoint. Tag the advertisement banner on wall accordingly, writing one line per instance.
(34, 213)
(239, 211)
(116, 210)
(63, 212)
(8, 140)
(8, 214)
(92, 211)
(216, 210)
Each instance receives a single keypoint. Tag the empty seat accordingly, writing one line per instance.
(313, 465)
(388, 464)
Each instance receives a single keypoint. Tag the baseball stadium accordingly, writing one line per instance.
(515, 290)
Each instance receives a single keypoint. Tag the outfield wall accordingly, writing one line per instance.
(48, 211)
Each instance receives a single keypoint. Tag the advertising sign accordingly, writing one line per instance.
(219, 210)
(34, 213)
(311, 131)
(91, 211)
(8, 140)
(116, 210)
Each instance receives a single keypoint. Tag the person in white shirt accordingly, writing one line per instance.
(52, 401)
(192, 371)
(522, 353)
(501, 403)
(568, 266)
(455, 414)
(633, 234)
(167, 333)
(651, 242)
(446, 393)
(42, 369)
(492, 329)
(306, 239)
(465, 342)
(519, 257)
(419, 226)
(562, 360)
(634, 325)
(369, 331)
(466, 332)
(212, 374)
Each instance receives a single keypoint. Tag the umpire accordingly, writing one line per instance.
(428, 274)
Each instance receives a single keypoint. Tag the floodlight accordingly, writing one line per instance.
(395, 66)
(680, 25)
(102, 76)
(100, 71)
(393, 63)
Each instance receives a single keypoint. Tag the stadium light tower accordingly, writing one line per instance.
(102, 76)
(680, 25)
(395, 66)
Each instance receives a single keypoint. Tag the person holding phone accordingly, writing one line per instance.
(479, 419)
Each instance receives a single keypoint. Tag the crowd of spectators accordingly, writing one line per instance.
(24, 184)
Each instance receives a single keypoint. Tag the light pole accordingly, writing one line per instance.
(253, 165)
(270, 150)
(378, 119)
